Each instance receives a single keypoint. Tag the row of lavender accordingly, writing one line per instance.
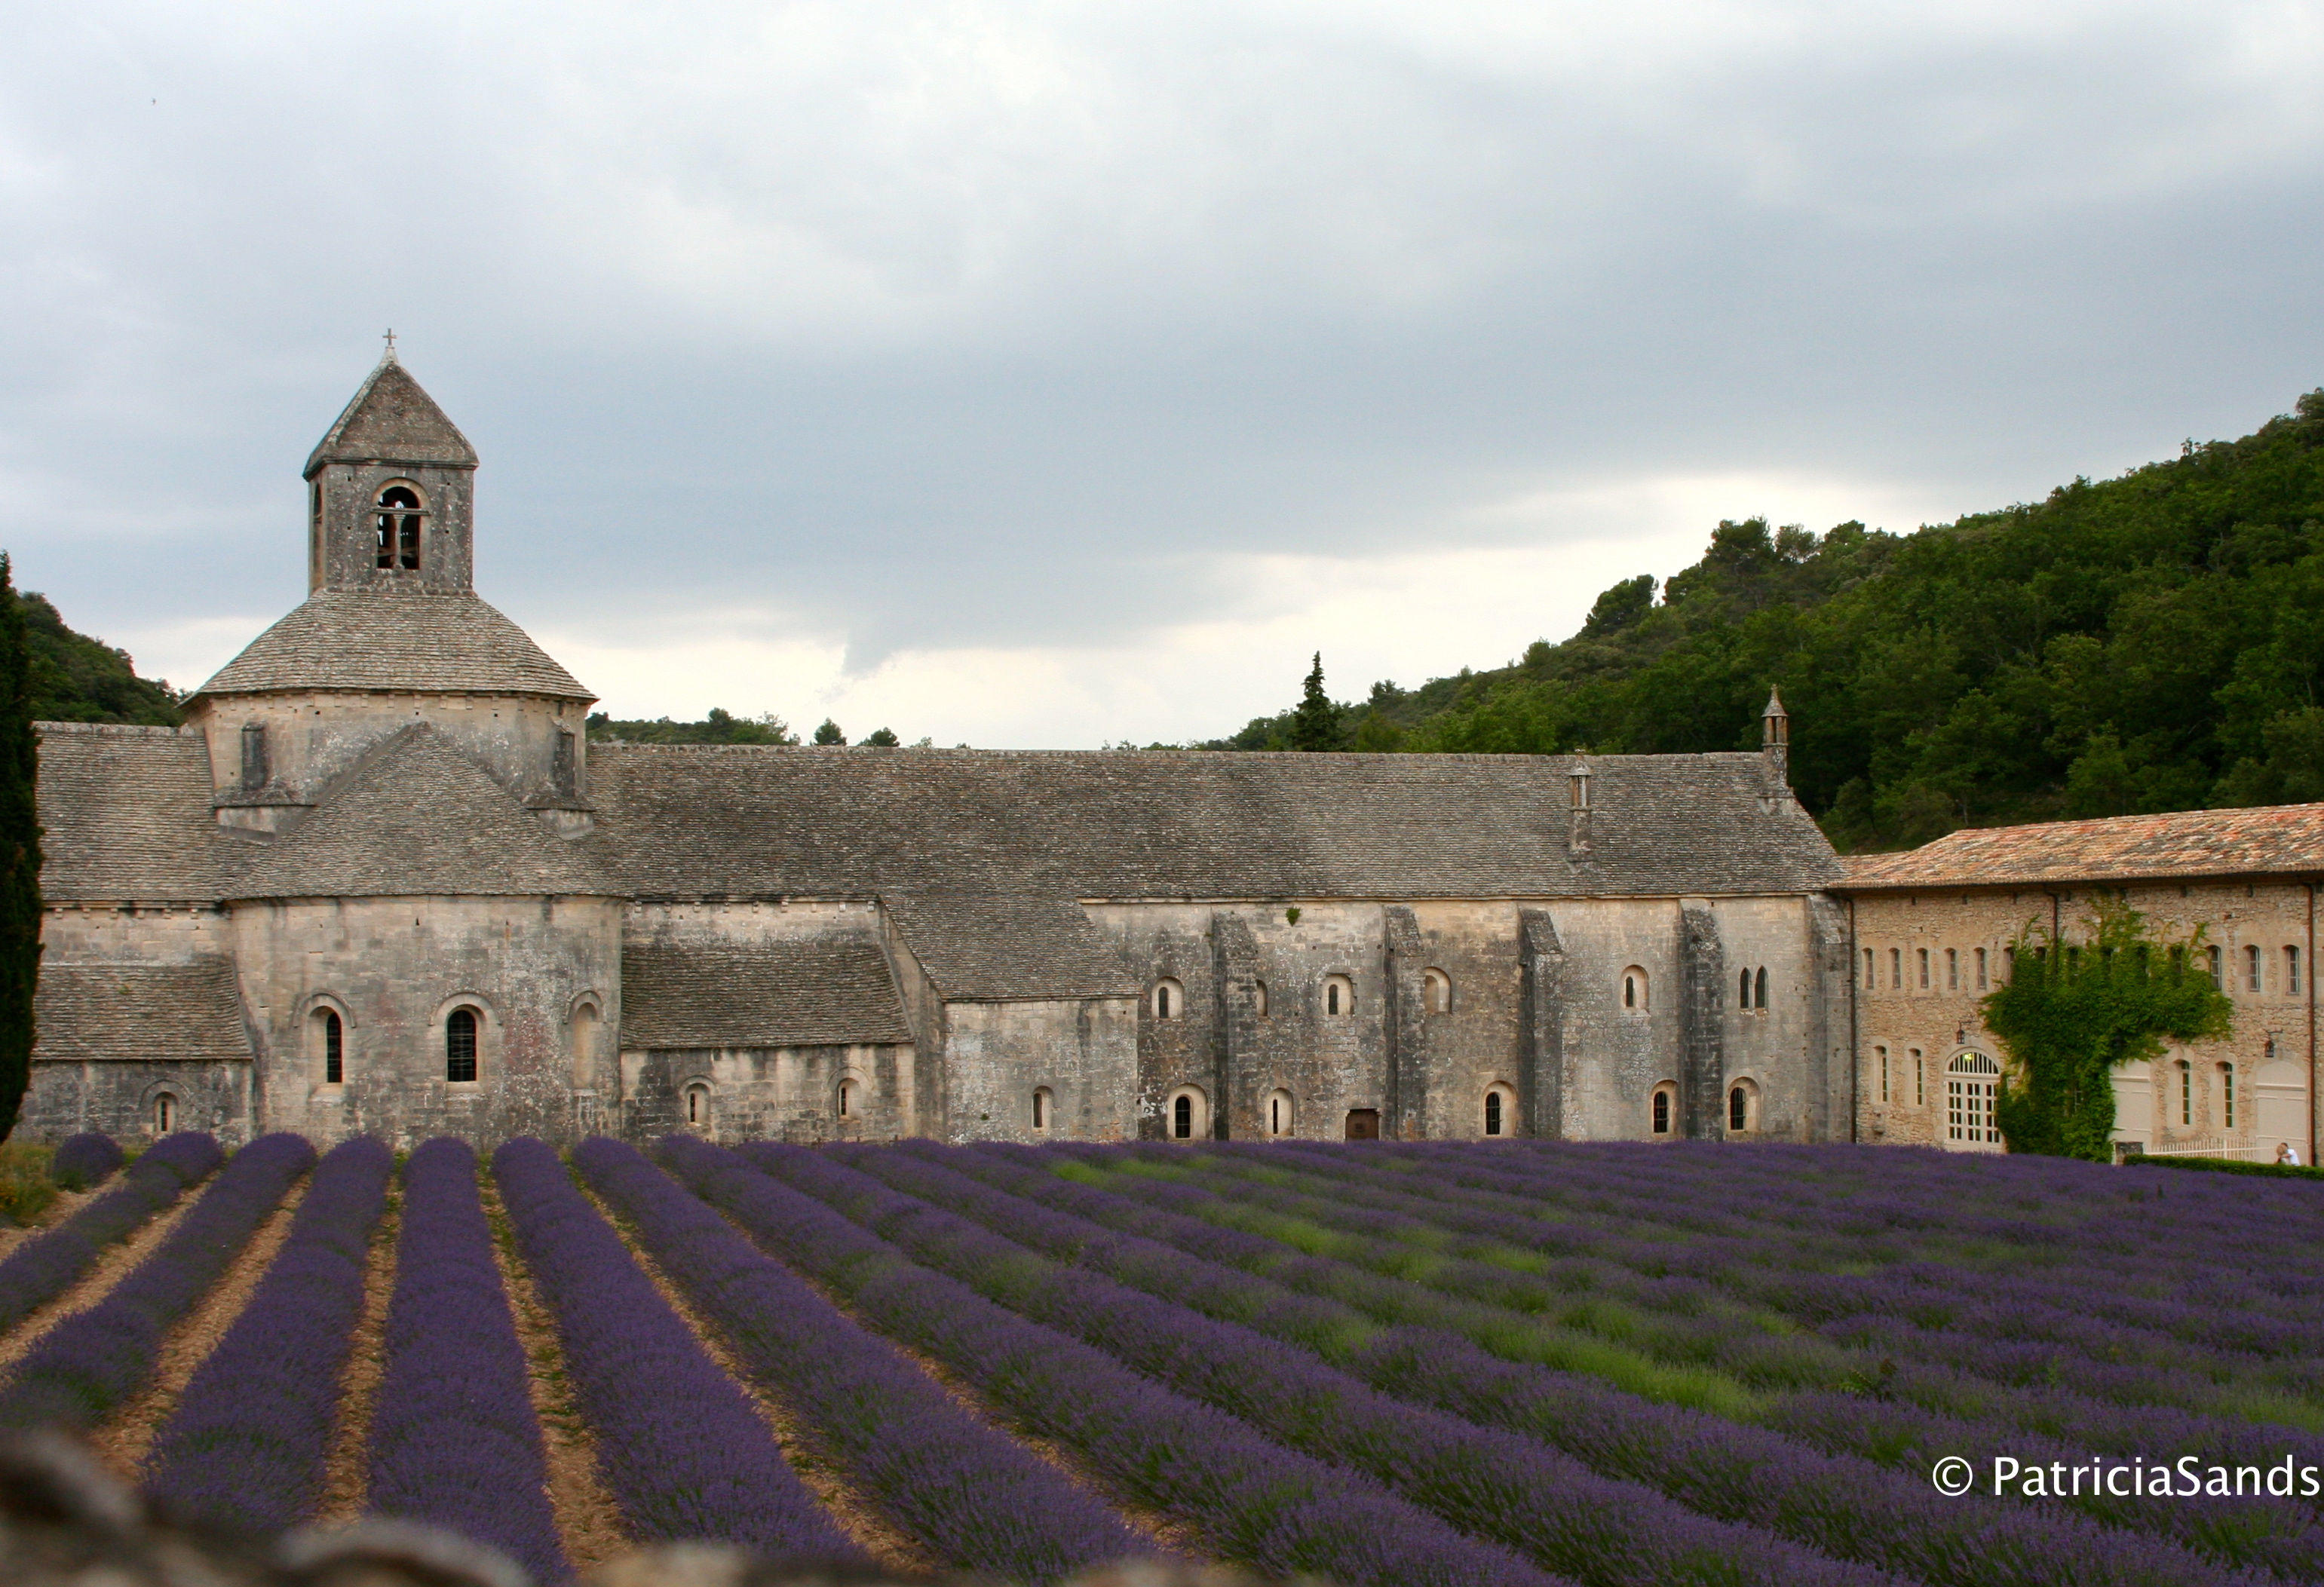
(1225, 1333)
(1706, 1303)
(1880, 1422)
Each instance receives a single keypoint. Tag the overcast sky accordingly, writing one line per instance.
(1046, 374)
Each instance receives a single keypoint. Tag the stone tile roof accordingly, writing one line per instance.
(366, 640)
(2281, 839)
(127, 815)
(417, 818)
(91, 1013)
(996, 949)
(818, 992)
(691, 820)
(390, 420)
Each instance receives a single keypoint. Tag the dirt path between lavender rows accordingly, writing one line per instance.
(851, 1508)
(347, 1472)
(113, 1264)
(126, 1438)
(587, 1518)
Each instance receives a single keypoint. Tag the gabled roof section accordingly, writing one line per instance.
(982, 948)
(2274, 840)
(125, 813)
(690, 820)
(391, 420)
(418, 818)
(96, 1012)
(819, 993)
(448, 642)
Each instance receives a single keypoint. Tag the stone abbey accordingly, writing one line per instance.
(382, 882)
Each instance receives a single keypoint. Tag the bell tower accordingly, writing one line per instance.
(390, 493)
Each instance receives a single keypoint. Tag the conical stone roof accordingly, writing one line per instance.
(433, 641)
(419, 819)
(391, 420)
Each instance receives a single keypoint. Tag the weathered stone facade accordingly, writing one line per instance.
(382, 883)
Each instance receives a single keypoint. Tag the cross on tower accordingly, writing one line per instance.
(390, 343)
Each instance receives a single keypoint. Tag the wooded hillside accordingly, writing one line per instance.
(76, 678)
(2151, 642)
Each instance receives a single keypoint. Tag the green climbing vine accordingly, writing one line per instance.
(2073, 1009)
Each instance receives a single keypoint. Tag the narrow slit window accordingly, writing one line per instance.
(1871, 977)
(2251, 969)
(1662, 1112)
(460, 1047)
(2227, 1096)
(1882, 1054)
(1759, 989)
(2291, 972)
(1980, 970)
(1896, 969)
(1952, 970)
(334, 1050)
(1743, 992)
(1924, 968)
(2186, 1093)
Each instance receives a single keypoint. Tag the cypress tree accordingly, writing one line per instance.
(20, 854)
(1315, 726)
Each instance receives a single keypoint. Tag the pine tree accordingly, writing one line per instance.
(1315, 726)
(20, 855)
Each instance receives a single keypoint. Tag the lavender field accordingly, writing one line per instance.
(1438, 1364)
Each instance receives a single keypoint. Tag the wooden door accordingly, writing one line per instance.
(1363, 1124)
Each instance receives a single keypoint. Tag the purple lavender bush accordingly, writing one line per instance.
(89, 1363)
(454, 1440)
(246, 1447)
(46, 1265)
(1486, 1481)
(84, 1161)
(1251, 1500)
(681, 1448)
(972, 1497)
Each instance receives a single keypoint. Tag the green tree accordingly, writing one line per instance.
(883, 738)
(830, 732)
(20, 854)
(2070, 1012)
(1315, 724)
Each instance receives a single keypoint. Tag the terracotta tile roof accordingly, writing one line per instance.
(2277, 839)
(819, 993)
(145, 1013)
(375, 639)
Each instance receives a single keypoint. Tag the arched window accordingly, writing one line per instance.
(849, 1099)
(1436, 992)
(1972, 1086)
(1187, 1116)
(1279, 1112)
(1258, 999)
(2227, 1095)
(585, 1024)
(1742, 1107)
(1170, 1000)
(460, 1046)
(1339, 997)
(1759, 992)
(1743, 992)
(697, 1105)
(397, 526)
(1500, 1111)
(1041, 1108)
(1661, 1110)
(1634, 990)
(165, 1112)
(335, 1049)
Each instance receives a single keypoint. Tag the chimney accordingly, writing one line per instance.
(1577, 834)
(1776, 739)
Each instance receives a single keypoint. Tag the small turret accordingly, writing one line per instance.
(390, 491)
(1775, 738)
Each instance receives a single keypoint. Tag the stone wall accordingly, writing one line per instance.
(393, 970)
(120, 1099)
(769, 1094)
(1922, 1030)
(1081, 1052)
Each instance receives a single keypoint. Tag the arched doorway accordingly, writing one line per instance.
(1972, 1090)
